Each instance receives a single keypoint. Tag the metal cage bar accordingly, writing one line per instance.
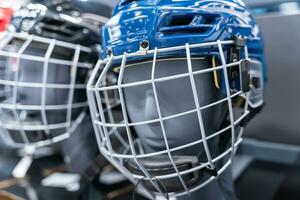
(15, 89)
(162, 123)
(199, 114)
(44, 84)
(223, 61)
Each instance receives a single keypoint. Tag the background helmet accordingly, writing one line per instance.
(44, 69)
(189, 75)
(88, 6)
(60, 20)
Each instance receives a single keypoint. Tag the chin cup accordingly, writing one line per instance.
(162, 166)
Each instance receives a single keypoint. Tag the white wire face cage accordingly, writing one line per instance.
(42, 89)
(120, 134)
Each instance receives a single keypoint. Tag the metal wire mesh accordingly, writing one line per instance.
(111, 120)
(42, 85)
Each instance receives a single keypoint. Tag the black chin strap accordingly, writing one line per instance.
(250, 116)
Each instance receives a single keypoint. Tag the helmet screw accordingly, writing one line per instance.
(144, 45)
(239, 41)
(109, 52)
(85, 31)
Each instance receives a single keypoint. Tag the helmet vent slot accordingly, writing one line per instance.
(52, 22)
(125, 2)
(192, 23)
(56, 29)
(181, 20)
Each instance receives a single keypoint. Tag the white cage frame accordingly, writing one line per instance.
(97, 84)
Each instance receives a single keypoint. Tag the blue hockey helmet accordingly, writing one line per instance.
(189, 76)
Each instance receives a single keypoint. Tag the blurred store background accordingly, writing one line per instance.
(273, 138)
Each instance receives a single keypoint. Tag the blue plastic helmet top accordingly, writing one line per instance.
(168, 23)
